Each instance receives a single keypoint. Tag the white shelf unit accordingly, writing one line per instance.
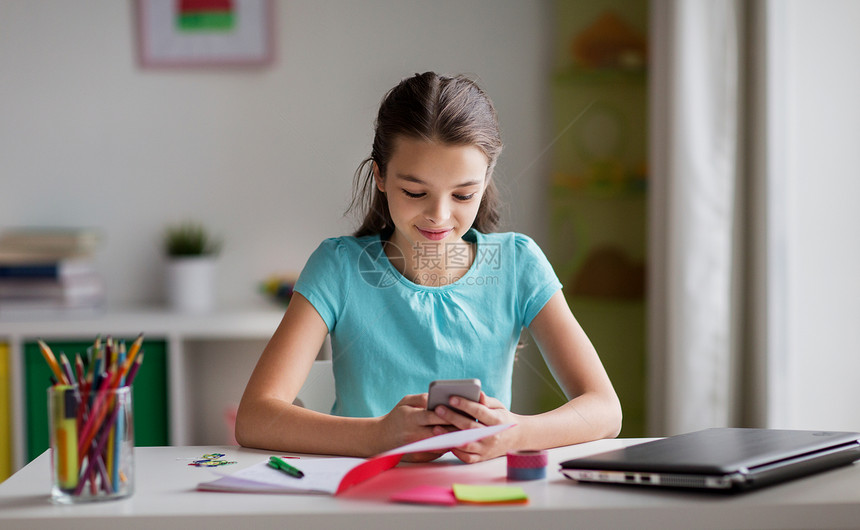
(209, 359)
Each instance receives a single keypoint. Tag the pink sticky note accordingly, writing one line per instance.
(426, 495)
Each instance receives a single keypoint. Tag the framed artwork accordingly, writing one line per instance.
(189, 33)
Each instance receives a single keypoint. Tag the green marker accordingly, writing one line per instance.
(280, 465)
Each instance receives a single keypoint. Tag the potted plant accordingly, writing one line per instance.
(191, 253)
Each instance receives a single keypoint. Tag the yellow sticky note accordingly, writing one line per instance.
(489, 494)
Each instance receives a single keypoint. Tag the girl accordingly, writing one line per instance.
(424, 290)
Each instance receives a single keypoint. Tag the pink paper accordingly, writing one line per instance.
(426, 495)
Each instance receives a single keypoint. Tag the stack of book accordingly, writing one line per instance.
(49, 271)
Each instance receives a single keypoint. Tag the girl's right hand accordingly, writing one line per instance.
(410, 421)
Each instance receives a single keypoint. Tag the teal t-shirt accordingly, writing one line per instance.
(391, 337)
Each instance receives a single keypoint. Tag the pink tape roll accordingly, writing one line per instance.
(527, 465)
(528, 459)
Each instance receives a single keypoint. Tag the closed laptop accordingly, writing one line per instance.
(724, 459)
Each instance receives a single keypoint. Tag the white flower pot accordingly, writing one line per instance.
(191, 284)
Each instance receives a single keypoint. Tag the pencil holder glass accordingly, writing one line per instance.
(92, 444)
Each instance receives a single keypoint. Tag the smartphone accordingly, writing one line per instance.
(442, 390)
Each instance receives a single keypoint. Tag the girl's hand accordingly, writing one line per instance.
(408, 422)
(487, 411)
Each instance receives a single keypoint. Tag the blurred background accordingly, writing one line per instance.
(690, 168)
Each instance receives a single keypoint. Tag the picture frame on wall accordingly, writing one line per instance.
(199, 33)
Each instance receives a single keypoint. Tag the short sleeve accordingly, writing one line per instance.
(323, 281)
(536, 279)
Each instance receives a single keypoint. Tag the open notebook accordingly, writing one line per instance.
(333, 475)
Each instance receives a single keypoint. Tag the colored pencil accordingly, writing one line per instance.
(97, 450)
(100, 417)
(132, 353)
(67, 369)
(79, 369)
(96, 417)
(132, 373)
(52, 362)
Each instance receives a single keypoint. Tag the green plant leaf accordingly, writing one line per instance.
(190, 239)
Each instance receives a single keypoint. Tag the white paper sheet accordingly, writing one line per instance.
(324, 475)
(448, 440)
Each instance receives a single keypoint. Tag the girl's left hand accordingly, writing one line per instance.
(486, 411)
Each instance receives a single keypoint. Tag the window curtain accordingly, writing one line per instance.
(695, 206)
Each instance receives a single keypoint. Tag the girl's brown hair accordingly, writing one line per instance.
(449, 110)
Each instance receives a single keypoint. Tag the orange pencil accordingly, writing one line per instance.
(52, 363)
(132, 353)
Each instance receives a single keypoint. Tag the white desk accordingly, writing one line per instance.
(165, 498)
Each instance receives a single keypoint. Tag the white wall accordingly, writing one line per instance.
(263, 157)
(822, 161)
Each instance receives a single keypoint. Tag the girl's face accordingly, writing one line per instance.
(433, 191)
